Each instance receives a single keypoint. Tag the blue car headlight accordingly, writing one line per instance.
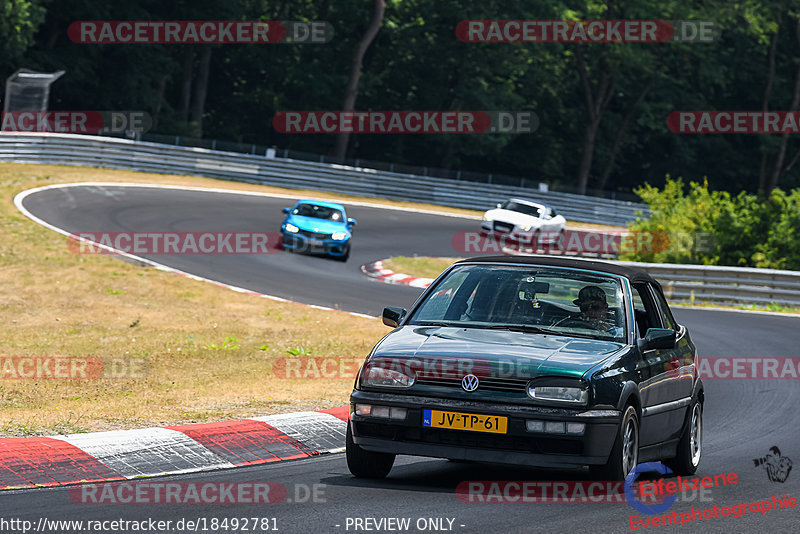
(338, 236)
(292, 229)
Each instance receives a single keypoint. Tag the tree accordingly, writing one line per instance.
(351, 93)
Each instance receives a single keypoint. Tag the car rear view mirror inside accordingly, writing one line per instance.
(659, 339)
(541, 288)
(393, 315)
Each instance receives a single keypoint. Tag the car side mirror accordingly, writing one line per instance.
(659, 338)
(393, 315)
(499, 205)
(286, 210)
(351, 222)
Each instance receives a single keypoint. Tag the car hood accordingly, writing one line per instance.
(513, 217)
(529, 355)
(312, 224)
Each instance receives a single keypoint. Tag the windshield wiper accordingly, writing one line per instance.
(432, 323)
(530, 329)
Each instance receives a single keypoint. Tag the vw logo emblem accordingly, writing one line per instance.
(469, 383)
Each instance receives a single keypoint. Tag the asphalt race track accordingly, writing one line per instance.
(743, 418)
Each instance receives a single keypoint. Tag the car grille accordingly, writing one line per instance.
(485, 383)
(502, 227)
(314, 235)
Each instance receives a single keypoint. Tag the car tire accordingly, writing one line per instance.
(344, 257)
(625, 453)
(535, 243)
(560, 242)
(690, 447)
(366, 464)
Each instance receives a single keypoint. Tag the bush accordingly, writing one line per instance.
(713, 228)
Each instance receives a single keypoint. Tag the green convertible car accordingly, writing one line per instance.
(542, 361)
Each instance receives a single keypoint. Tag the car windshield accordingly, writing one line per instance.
(527, 298)
(318, 212)
(522, 208)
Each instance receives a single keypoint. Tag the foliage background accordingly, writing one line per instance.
(416, 62)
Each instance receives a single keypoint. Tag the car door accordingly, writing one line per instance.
(682, 363)
(660, 387)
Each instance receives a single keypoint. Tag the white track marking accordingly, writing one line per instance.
(147, 451)
(322, 432)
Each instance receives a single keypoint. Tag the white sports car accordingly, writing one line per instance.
(524, 221)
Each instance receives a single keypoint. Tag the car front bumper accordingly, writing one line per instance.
(301, 243)
(517, 446)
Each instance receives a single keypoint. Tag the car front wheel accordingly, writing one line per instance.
(366, 464)
(625, 453)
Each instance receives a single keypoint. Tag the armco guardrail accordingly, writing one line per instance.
(725, 285)
(699, 283)
(67, 149)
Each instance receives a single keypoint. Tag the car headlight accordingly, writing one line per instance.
(526, 228)
(386, 378)
(487, 218)
(338, 236)
(291, 228)
(549, 392)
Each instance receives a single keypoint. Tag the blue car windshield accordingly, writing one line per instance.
(318, 212)
(529, 299)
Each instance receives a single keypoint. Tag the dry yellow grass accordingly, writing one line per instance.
(57, 304)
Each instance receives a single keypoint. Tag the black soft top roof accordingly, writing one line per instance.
(631, 273)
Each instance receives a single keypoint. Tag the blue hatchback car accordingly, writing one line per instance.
(318, 226)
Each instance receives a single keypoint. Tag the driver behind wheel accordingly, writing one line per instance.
(594, 310)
